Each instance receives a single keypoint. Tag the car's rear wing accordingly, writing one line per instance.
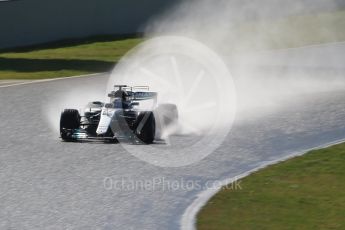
(136, 92)
(140, 96)
(131, 88)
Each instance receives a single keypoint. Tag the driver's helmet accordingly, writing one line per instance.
(121, 94)
(121, 99)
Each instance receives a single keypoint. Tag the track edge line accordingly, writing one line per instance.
(51, 79)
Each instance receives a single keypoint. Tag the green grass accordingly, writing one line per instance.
(306, 192)
(62, 60)
(99, 54)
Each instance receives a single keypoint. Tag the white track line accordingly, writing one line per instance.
(9, 81)
(52, 79)
(310, 46)
(188, 219)
(268, 51)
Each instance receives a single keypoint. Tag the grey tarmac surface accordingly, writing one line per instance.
(49, 184)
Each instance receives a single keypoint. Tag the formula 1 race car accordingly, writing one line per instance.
(121, 118)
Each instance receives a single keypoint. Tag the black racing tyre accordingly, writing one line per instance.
(145, 127)
(69, 120)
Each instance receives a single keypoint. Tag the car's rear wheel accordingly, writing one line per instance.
(69, 121)
(145, 127)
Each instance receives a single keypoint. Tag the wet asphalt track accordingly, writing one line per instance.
(48, 184)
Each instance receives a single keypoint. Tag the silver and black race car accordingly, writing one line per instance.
(122, 118)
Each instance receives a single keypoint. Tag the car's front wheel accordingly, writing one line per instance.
(69, 121)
